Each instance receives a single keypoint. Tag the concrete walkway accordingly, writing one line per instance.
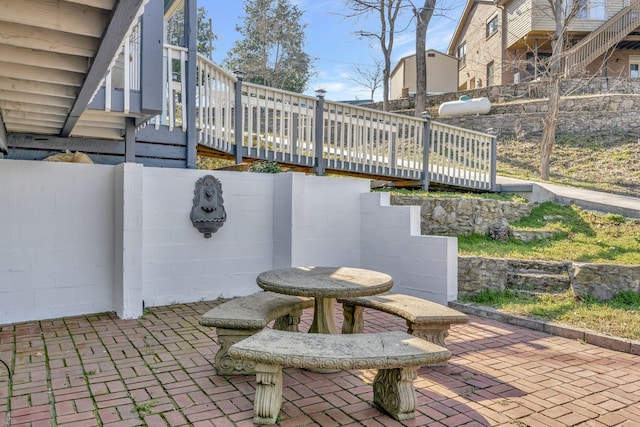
(101, 371)
(587, 199)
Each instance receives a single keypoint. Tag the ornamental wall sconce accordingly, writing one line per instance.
(207, 213)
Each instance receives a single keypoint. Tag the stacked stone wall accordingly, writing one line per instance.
(601, 281)
(595, 105)
(454, 216)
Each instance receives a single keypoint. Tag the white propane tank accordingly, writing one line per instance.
(464, 107)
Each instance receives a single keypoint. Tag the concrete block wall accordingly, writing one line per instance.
(423, 266)
(56, 239)
(180, 265)
(78, 239)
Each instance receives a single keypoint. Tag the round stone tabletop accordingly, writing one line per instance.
(325, 282)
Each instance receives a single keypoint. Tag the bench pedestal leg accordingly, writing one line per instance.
(393, 392)
(288, 322)
(268, 400)
(353, 322)
(225, 364)
(434, 334)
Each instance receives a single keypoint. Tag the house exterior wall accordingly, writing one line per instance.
(480, 49)
(526, 16)
(440, 69)
(397, 81)
(519, 20)
(91, 238)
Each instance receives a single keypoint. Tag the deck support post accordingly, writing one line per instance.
(237, 117)
(494, 161)
(319, 133)
(190, 32)
(426, 176)
(130, 140)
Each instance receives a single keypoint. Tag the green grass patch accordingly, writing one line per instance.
(441, 194)
(618, 317)
(583, 236)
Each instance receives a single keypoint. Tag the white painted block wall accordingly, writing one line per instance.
(423, 266)
(56, 239)
(180, 265)
(78, 239)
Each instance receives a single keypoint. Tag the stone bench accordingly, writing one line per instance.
(242, 317)
(397, 356)
(425, 319)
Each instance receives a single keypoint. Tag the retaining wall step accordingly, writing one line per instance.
(538, 282)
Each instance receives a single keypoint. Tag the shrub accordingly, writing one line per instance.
(265, 166)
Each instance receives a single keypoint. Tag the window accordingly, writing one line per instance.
(592, 10)
(492, 26)
(490, 73)
(462, 54)
(634, 71)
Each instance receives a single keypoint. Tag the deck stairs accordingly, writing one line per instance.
(602, 39)
(539, 277)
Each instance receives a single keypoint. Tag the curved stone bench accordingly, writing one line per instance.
(425, 319)
(397, 356)
(242, 317)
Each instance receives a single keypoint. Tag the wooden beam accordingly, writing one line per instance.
(33, 108)
(49, 60)
(100, 4)
(122, 18)
(69, 17)
(103, 124)
(23, 115)
(39, 74)
(48, 40)
(104, 133)
(15, 121)
(39, 142)
(20, 128)
(31, 98)
(42, 88)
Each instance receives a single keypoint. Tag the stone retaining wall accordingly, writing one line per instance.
(602, 281)
(454, 216)
(524, 91)
(577, 115)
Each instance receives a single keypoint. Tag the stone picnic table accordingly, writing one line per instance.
(325, 284)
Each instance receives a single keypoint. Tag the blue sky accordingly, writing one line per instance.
(333, 43)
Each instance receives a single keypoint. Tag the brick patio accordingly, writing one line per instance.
(101, 371)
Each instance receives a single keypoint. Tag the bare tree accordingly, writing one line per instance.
(423, 16)
(563, 12)
(387, 12)
(369, 77)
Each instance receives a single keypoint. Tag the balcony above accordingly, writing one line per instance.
(50, 68)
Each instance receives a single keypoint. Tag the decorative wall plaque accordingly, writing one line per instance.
(207, 213)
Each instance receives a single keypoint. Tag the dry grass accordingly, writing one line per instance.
(604, 162)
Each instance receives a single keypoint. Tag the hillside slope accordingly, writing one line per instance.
(598, 161)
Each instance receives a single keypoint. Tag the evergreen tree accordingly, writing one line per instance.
(271, 50)
(205, 35)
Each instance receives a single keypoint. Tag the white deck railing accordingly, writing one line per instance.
(124, 71)
(278, 125)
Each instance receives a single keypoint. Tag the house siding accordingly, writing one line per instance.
(519, 20)
(441, 70)
(526, 16)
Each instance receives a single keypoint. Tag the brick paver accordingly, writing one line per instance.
(101, 371)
